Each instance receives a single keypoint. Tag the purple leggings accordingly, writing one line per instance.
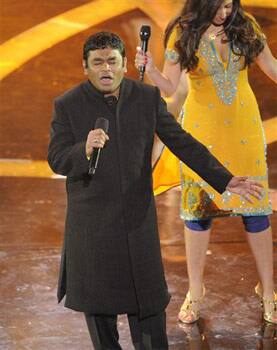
(252, 224)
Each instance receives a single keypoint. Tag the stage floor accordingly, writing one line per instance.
(32, 213)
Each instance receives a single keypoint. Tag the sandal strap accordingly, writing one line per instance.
(269, 316)
(271, 302)
(188, 303)
(259, 292)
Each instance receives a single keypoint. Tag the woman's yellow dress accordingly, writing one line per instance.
(220, 111)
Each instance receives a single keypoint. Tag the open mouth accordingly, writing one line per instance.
(106, 79)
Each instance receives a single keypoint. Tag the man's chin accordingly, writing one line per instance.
(109, 89)
(105, 89)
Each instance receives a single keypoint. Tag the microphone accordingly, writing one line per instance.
(101, 123)
(145, 32)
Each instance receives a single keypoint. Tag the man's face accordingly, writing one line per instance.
(105, 70)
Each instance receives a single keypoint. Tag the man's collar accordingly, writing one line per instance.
(99, 93)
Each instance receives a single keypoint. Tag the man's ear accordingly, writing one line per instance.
(85, 67)
(125, 64)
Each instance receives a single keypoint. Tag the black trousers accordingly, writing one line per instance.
(147, 334)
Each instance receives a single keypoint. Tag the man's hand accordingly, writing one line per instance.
(96, 139)
(245, 187)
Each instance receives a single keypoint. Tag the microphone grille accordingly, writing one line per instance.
(145, 32)
(102, 123)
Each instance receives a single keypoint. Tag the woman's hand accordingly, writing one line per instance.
(144, 59)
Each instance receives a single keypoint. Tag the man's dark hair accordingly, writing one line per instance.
(103, 40)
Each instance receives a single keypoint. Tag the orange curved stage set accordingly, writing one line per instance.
(41, 56)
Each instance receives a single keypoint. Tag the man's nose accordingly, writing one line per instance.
(106, 66)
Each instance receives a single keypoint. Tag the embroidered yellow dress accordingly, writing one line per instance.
(221, 112)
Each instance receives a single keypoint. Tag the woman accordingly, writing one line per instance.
(209, 47)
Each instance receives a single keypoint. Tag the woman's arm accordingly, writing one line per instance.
(167, 81)
(268, 63)
(176, 101)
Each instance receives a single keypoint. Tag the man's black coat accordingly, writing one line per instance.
(111, 262)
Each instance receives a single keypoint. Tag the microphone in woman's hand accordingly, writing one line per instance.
(145, 32)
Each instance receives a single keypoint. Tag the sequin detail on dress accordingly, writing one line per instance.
(224, 79)
(171, 55)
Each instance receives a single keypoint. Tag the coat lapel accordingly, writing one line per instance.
(123, 102)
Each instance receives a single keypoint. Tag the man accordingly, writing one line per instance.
(111, 262)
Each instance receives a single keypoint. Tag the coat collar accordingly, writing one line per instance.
(124, 92)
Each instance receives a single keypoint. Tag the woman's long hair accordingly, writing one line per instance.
(195, 18)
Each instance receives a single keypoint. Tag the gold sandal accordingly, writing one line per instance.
(270, 316)
(190, 310)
